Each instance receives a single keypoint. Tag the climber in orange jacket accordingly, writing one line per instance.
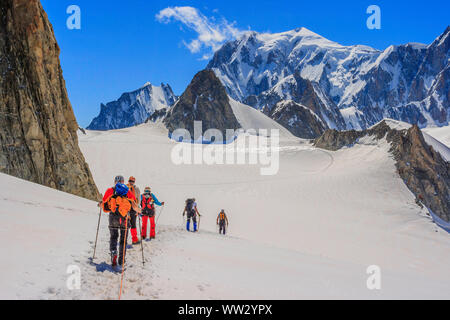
(222, 221)
(118, 202)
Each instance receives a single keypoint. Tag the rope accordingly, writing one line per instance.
(123, 257)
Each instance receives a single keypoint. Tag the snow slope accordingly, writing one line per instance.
(348, 206)
(250, 118)
(442, 134)
(43, 231)
(310, 231)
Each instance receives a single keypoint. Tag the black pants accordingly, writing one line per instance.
(116, 226)
(148, 212)
(222, 226)
(192, 215)
(133, 216)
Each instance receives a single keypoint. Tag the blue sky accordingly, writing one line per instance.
(122, 45)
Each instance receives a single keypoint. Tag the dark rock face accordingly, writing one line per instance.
(133, 108)
(308, 94)
(334, 140)
(206, 100)
(38, 130)
(423, 170)
(298, 119)
(158, 114)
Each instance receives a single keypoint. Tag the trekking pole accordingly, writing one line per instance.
(96, 237)
(123, 256)
(160, 212)
(142, 245)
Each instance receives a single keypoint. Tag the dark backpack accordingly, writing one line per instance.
(190, 205)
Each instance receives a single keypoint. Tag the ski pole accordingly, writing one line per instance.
(96, 237)
(123, 256)
(142, 245)
(160, 212)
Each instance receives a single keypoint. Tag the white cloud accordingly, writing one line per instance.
(211, 34)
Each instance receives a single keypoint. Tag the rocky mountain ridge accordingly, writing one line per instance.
(424, 170)
(38, 129)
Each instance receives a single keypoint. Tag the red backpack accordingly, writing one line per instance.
(147, 204)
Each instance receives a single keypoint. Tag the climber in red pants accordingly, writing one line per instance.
(148, 202)
(133, 214)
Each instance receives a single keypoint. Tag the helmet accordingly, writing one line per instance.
(147, 190)
(132, 179)
(119, 179)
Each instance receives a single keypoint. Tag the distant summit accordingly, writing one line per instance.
(357, 85)
(133, 108)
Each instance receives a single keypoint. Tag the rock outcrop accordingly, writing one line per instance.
(206, 100)
(423, 169)
(308, 94)
(38, 129)
(157, 115)
(298, 119)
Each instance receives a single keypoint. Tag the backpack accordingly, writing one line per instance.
(121, 190)
(221, 216)
(147, 204)
(118, 202)
(190, 205)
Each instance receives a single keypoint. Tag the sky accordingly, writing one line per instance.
(122, 45)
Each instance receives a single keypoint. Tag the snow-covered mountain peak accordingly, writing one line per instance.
(393, 124)
(442, 38)
(300, 34)
(286, 41)
(134, 107)
(416, 45)
(406, 82)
